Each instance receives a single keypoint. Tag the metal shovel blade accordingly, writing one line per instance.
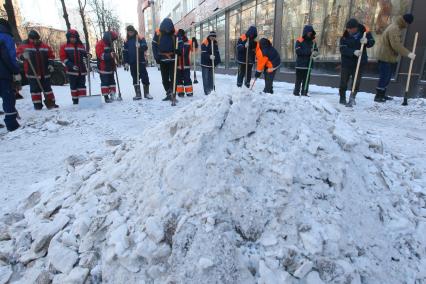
(90, 102)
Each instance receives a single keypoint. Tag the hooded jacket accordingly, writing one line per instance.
(164, 42)
(73, 54)
(206, 51)
(304, 46)
(392, 44)
(250, 35)
(8, 64)
(185, 49)
(268, 58)
(129, 50)
(104, 49)
(41, 56)
(350, 43)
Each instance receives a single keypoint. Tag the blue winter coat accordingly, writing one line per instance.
(350, 43)
(129, 50)
(164, 42)
(206, 51)
(304, 46)
(8, 64)
(250, 35)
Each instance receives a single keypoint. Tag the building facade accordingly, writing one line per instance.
(282, 22)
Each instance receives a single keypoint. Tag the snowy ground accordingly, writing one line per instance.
(387, 141)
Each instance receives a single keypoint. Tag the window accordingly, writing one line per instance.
(206, 30)
(265, 14)
(220, 29)
(248, 15)
(295, 16)
(234, 34)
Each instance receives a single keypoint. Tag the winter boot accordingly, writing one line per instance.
(352, 101)
(113, 96)
(138, 93)
(380, 96)
(388, 98)
(168, 96)
(75, 101)
(342, 100)
(181, 95)
(189, 94)
(38, 106)
(50, 104)
(146, 92)
(305, 94)
(107, 99)
(296, 93)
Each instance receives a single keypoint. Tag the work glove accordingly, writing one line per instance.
(412, 55)
(364, 40)
(138, 44)
(51, 68)
(26, 55)
(358, 53)
(247, 44)
(212, 57)
(315, 54)
(75, 68)
(17, 78)
(126, 67)
(257, 74)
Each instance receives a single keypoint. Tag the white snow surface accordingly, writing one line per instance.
(237, 187)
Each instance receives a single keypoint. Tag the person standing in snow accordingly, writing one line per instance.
(132, 44)
(391, 48)
(39, 55)
(246, 41)
(209, 56)
(268, 62)
(350, 49)
(305, 49)
(73, 54)
(183, 76)
(164, 50)
(9, 72)
(106, 65)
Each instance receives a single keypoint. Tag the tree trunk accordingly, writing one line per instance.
(81, 9)
(8, 6)
(64, 9)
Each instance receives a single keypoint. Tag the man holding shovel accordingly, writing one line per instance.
(134, 60)
(391, 48)
(246, 51)
(38, 65)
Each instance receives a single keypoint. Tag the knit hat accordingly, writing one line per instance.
(212, 33)
(180, 32)
(352, 23)
(131, 28)
(34, 35)
(408, 18)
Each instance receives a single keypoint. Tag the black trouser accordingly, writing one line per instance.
(143, 74)
(167, 73)
(242, 74)
(345, 76)
(10, 112)
(269, 81)
(207, 79)
(301, 77)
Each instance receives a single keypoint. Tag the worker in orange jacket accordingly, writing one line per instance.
(268, 62)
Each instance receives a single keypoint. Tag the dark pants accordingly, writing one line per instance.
(167, 73)
(10, 112)
(108, 84)
(242, 74)
(183, 81)
(269, 81)
(345, 76)
(36, 91)
(143, 74)
(207, 73)
(301, 77)
(386, 71)
(77, 86)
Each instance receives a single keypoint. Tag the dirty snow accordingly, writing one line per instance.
(238, 187)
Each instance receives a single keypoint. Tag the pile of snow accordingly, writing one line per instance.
(238, 188)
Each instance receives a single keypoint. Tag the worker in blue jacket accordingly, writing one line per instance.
(246, 41)
(209, 56)
(9, 72)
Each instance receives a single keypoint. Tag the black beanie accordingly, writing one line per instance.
(408, 18)
(131, 28)
(212, 33)
(34, 35)
(352, 23)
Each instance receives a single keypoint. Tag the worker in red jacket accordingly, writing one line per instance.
(72, 55)
(39, 56)
(106, 65)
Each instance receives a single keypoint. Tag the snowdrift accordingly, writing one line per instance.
(239, 188)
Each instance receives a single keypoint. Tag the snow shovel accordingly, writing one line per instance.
(351, 102)
(252, 86)
(247, 55)
(407, 87)
(90, 102)
(308, 76)
(174, 74)
(214, 79)
(36, 77)
(195, 67)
